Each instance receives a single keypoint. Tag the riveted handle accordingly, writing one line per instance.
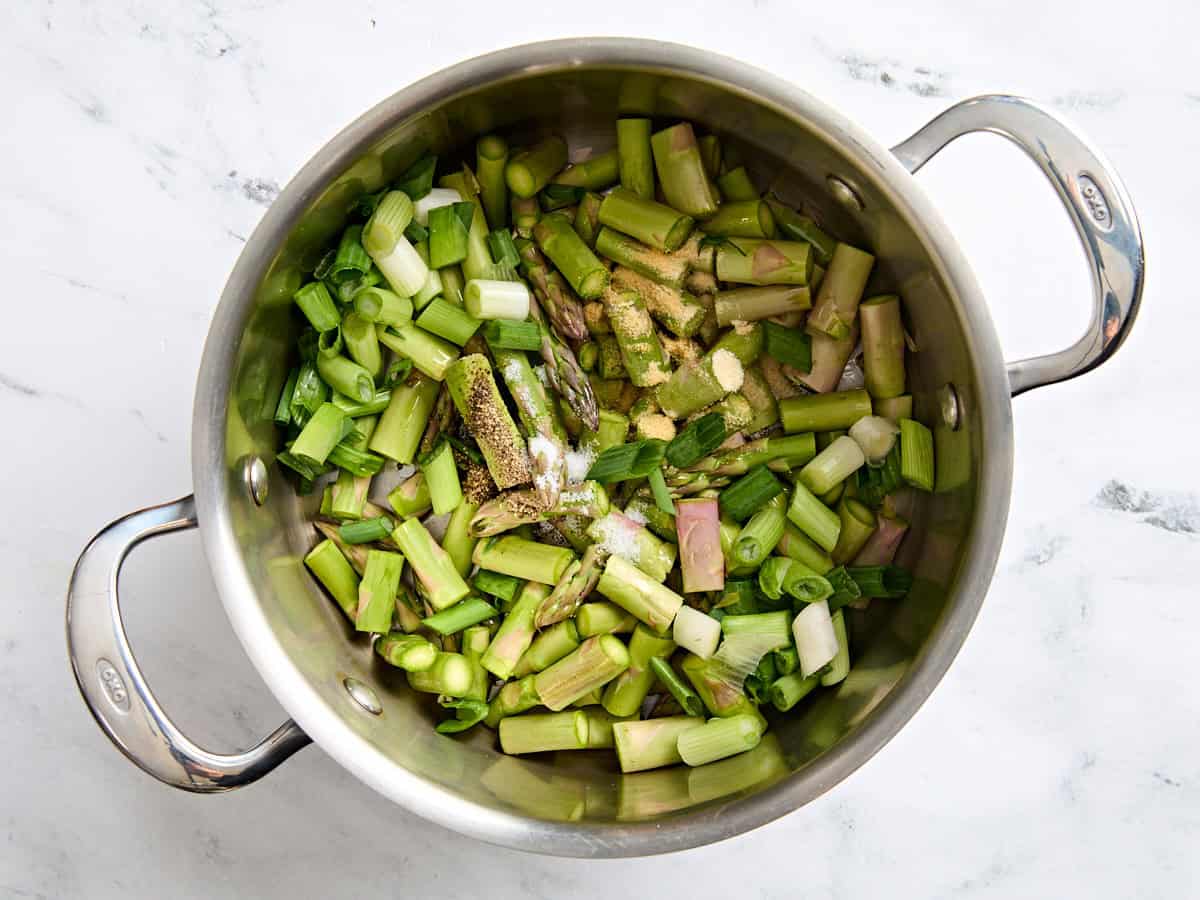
(1096, 201)
(113, 686)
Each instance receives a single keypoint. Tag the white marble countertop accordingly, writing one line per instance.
(1058, 757)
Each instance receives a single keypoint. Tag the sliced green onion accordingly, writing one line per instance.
(749, 493)
(789, 690)
(814, 518)
(696, 441)
(790, 346)
(833, 465)
(436, 198)
(417, 181)
(441, 474)
(329, 343)
(416, 232)
(308, 394)
(768, 624)
(463, 614)
(318, 307)
(881, 581)
(662, 494)
(377, 591)
(876, 436)
(467, 714)
(429, 354)
(504, 251)
(351, 261)
(696, 632)
(283, 409)
(689, 701)
(916, 454)
(815, 637)
(720, 738)
(739, 597)
(627, 461)
(506, 587)
(875, 483)
(355, 410)
(556, 196)
(346, 377)
(386, 226)
(845, 588)
(376, 304)
(403, 268)
(366, 531)
(397, 372)
(351, 458)
(449, 227)
(489, 299)
(511, 334)
(322, 433)
(448, 321)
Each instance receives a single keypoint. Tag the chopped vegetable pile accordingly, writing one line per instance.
(642, 486)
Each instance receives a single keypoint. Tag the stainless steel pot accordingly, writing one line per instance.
(254, 526)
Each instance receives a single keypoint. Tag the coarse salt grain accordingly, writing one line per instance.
(578, 463)
(618, 534)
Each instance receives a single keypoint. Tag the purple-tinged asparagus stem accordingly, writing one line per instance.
(698, 524)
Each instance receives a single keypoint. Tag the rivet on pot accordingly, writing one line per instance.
(363, 695)
(257, 479)
(947, 397)
(845, 193)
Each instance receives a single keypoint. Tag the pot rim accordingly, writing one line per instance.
(212, 476)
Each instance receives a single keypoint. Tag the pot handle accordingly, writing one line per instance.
(1099, 208)
(113, 686)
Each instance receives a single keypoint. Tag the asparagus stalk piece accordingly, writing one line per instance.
(558, 302)
(596, 319)
(542, 732)
(482, 409)
(526, 211)
(701, 283)
(829, 356)
(858, 524)
(635, 162)
(377, 591)
(516, 632)
(623, 695)
(592, 664)
(833, 465)
(840, 292)
(753, 303)
(600, 728)
(603, 618)
(681, 173)
(609, 364)
(652, 743)
(694, 386)
(564, 373)
(636, 592)
(883, 346)
(450, 675)
(515, 508)
(587, 218)
(432, 565)
(411, 496)
(491, 158)
(668, 269)
(824, 412)
(679, 312)
(641, 351)
(617, 534)
(652, 223)
(522, 558)
(720, 738)
(355, 554)
(741, 218)
(760, 261)
(735, 185)
(410, 652)
(595, 174)
(557, 239)
(528, 171)
(337, 576)
(513, 699)
(573, 586)
(720, 697)
(893, 408)
(547, 438)
(547, 648)
(698, 525)
(458, 542)
(758, 393)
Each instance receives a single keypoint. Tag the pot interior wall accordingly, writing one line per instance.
(792, 157)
